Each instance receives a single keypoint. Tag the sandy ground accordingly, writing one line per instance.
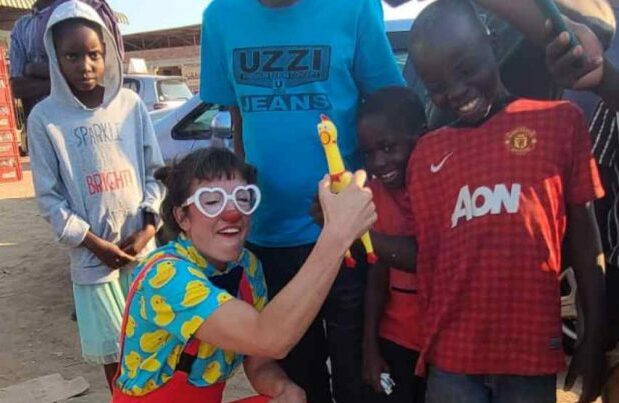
(37, 336)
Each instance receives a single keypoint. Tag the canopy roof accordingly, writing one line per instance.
(11, 10)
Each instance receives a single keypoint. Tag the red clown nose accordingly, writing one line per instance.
(232, 215)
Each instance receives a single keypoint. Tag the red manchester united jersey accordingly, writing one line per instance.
(489, 205)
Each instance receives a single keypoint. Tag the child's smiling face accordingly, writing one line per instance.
(458, 67)
(386, 150)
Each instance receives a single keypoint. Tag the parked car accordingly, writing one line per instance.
(157, 114)
(158, 92)
(192, 125)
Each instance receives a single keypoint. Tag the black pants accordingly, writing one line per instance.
(335, 334)
(612, 303)
(408, 388)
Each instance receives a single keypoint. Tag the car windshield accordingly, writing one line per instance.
(173, 89)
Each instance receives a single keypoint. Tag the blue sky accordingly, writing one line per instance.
(149, 15)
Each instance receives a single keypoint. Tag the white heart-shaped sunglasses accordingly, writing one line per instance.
(212, 201)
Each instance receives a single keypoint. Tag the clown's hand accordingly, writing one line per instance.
(350, 213)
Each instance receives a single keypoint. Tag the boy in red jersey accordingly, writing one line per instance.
(492, 197)
(389, 124)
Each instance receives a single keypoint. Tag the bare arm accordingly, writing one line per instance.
(237, 125)
(608, 89)
(29, 87)
(375, 298)
(26, 82)
(585, 248)
(396, 251)
(267, 378)
(236, 326)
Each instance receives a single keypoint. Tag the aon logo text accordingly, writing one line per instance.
(485, 200)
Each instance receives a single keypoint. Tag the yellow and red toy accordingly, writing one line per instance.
(340, 179)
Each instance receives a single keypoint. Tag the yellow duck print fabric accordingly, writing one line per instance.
(173, 300)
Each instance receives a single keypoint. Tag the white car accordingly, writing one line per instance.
(158, 92)
(192, 125)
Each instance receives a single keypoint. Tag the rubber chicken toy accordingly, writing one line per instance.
(340, 179)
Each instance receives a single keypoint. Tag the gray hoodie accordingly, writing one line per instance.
(93, 168)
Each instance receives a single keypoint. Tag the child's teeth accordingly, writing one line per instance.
(389, 175)
(468, 106)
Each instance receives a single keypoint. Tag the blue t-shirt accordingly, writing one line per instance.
(283, 67)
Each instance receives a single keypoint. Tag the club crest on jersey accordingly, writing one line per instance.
(485, 200)
(521, 141)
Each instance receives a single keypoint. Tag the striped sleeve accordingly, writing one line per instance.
(605, 135)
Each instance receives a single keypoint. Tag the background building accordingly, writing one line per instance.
(169, 52)
(11, 10)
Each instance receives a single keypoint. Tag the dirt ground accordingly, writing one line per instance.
(37, 336)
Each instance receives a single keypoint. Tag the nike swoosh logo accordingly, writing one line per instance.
(435, 168)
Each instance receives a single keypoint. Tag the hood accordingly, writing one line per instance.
(112, 81)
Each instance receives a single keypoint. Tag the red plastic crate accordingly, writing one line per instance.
(4, 70)
(8, 136)
(10, 169)
(7, 118)
(5, 90)
(9, 150)
(10, 174)
(8, 162)
(6, 107)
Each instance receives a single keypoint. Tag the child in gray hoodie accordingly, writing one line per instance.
(93, 155)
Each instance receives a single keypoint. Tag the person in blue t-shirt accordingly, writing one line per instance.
(279, 64)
